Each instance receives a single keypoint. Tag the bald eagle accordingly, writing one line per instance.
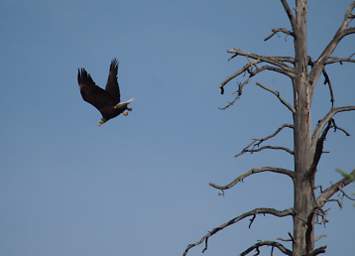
(106, 101)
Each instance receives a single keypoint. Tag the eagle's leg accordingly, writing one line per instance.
(102, 121)
(117, 106)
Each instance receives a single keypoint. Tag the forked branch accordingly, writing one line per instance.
(323, 122)
(333, 189)
(252, 70)
(259, 244)
(318, 250)
(239, 72)
(319, 149)
(343, 31)
(254, 212)
(320, 143)
(278, 61)
(258, 141)
(250, 172)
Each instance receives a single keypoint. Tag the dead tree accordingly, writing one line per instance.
(304, 73)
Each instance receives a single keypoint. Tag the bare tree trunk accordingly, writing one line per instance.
(304, 72)
(303, 190)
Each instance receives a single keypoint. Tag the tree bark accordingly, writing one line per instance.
(304, 199)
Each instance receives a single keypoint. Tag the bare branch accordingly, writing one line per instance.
(273, 244)
(252, 220)
(288, 12)
(349, 31)
(254, 150)
(237, 73)
(277, 61)
(331, 190)
(344, 194)
(320, 144)
(256, 211)
(290, 239)
(276, 70)
(340, 60)
(251, 172)
(342, 31)
(319, 149)
(258, 141)
(330, 86)
(339, 203)
(336, 127)
(318, 250)
(255, 143)
(252, 69)
(277, 94)
(321, 124)
(274, 31)
(327, 80)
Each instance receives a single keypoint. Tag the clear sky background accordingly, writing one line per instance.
(139, 185)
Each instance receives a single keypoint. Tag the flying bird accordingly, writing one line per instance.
(107, 101)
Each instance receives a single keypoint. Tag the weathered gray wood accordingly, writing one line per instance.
(304, 74)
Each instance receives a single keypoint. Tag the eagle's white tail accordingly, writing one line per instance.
(128, 101)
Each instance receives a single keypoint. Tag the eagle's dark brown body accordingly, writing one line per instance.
(106, 101)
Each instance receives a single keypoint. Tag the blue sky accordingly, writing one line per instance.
(138, 185)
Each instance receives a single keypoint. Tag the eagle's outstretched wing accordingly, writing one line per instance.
(92, 93)
(112, 86)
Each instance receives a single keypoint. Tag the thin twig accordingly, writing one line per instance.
(346, 195)
(288, 12)
(290, 239)
(274, 31)
(251, 151)
(277, 94)
(328, 82)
